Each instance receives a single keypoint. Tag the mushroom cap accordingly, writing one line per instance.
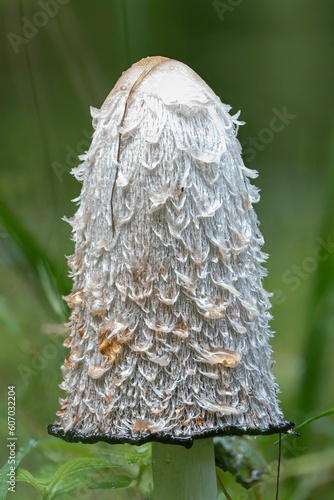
(169, 319)
(173, 81)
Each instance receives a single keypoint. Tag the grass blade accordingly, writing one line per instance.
(52, 282)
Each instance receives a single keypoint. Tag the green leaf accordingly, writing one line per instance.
(113, 483)
(141, 454)
(70, 476)
(80, 464)
(309, 420)
(40, 485)
(63, 480)
(315, 417)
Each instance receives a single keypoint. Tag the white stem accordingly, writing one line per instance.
(181, 474)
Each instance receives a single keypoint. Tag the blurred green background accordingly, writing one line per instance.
(265, 58)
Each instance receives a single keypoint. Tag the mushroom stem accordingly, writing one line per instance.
(181, 474)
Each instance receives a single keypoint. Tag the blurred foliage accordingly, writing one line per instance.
(240, 457)
(261, 57)
(81, 471)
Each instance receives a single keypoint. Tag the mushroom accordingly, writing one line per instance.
(169, 319)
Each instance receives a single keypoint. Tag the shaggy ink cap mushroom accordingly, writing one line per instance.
(169, 319)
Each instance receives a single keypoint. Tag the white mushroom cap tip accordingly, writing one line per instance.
(171, 80)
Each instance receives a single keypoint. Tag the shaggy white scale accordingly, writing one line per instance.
(169, 324)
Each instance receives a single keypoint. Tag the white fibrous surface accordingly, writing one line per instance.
(169, 318)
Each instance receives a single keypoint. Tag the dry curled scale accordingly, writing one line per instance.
(169, 319)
